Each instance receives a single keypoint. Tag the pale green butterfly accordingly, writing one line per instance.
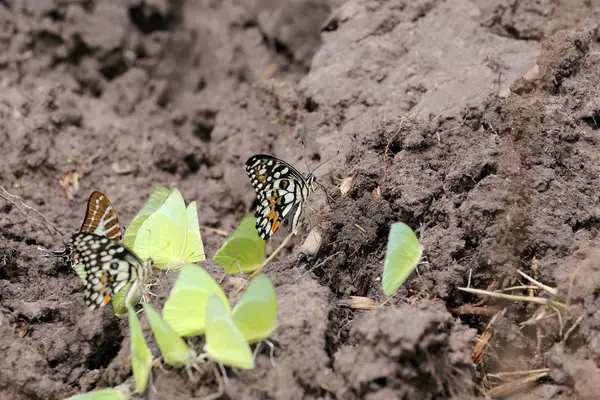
(141, 356)
(244, 248)
(225, 343)
(185, 308)
(171, 235)
(156, 199)
(173, 348)
(403, 254)
(118, 393)
(255, 314)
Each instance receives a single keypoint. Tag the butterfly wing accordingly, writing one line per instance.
(162, 236)
(255, 315)
(185, 308)
(263, 170)
(194, 249)
(101, 218)
(173, 348)
(280, 188)
(106, 266)
(141, 356)
(274, 207)
(225, 343)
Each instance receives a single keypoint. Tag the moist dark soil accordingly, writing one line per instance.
(474, 122)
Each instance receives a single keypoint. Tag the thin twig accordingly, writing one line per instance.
(516, 385)
(269, 259)
(572, 280)
(317, 265)
(510, 289)
(387, 146)
(388, 299)
(44, 222)
(560, 321)
(501, 375)
(528, 299)
(572, 328)
(470, 273)
(471, 310)
(547, 288)
(358, 303)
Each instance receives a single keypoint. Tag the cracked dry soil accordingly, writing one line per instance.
(475, 122)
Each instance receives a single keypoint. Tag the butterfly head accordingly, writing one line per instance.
(148, 265)
(66, 254)
(310, 182)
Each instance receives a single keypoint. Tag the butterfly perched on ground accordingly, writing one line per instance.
(282, 191)
(107, 267)
(100, 219)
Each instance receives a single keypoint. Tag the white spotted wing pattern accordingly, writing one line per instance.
(108, 267)
(281, 190)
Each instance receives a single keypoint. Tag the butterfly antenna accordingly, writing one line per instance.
(149, 244)
(325, 162)
(305, 158)
(45, 251)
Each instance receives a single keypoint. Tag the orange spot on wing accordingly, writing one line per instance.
(275, 226)
(261, 178)
(107, 300)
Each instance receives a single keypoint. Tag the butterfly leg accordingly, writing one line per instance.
(224, 373)
(327, 196)
(235, 261)
(271, 351)
(190, 373)
(221, 388)
(256, 350)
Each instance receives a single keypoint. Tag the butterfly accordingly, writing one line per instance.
(100, 219)
(170, 235)
(107, 267)
(282, 191)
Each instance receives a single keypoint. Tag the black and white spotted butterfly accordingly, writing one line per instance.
(282, 192)
(106, 267)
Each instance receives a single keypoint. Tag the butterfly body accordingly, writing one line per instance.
(107, 267)
(282, 192)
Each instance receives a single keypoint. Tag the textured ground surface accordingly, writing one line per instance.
(475, 122)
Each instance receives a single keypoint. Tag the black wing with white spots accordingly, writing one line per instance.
(107, 266)
(280, 189)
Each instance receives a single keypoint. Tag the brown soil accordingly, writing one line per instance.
(475, 122)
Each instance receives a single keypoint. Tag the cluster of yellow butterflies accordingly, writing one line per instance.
(166, 234)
